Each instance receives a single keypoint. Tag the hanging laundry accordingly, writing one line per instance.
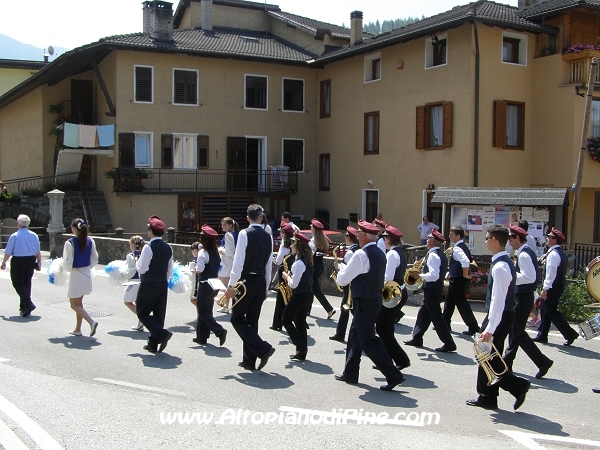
(71, 135)
(106, 135)
(87, 136)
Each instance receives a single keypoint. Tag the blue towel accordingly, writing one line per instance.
(71, 137)
(106, 135)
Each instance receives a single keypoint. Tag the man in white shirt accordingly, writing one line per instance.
(425, 229)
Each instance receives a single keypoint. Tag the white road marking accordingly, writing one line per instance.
(43, 439)
(141, 387)
(3, 360)
(528, 440)
(9, 440)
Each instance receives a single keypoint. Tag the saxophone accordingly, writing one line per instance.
(333, 275)
(284, 287)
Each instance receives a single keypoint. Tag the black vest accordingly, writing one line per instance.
(509, 302)
(401, 269)
(159, 264)
(529, 287)
(258, 252)
(306, 281)
(439, 284)
(212, 268)
(369, 285)
(456, 270)
(561, 270)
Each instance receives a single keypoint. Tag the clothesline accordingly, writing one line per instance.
(88, 136)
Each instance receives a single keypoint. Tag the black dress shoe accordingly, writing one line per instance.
(222, 336)
(568, 342)
(596, 390)
(481, 403)
(299, 356)
(544, 370)
(265, 358)
(470, 332)
(28, 311)
(335, 337)
(199, 341)
(345, 379)
(540, 340)
(519, 399)
(164, 342)
(445, 349)
(414, 343)
(392, 385)
(243, 365)
(401, 367)
(275, 328)
(151, 348)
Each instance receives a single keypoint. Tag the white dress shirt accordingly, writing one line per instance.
(358, 264)
(393, 262)
(552, 263)
(143, 263)
(433, 262)
(281, 254)
(459, 255)
(298, 269)
(502, 276)
(526, 273)
(426, 229)
(381, 245)
(240, 257)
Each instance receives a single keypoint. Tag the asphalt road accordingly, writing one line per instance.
(60, 391)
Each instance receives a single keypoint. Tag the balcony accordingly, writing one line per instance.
(180, 181)
(579, 66)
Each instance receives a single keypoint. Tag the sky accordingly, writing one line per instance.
(72, 23)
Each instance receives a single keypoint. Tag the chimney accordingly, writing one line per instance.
(525, 4)
(356, 27)
(206, 15)
(158, 20)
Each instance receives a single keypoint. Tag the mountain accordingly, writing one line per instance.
(12, 49)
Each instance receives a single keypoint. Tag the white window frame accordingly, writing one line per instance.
(429, 51)
(185, 69)
(283, 95)
(244, 94)
(303, 152)
(150, 135)
(195, 151)
(368, 61)
(522, 38)
(135, 84)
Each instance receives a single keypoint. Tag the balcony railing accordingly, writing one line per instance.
(161, 181)
(579, 65)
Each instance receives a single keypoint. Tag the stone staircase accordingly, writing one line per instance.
(101, 215)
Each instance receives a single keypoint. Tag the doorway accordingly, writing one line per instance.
(370, 204)
(246, 163)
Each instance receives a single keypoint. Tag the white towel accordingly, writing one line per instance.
(87, 136)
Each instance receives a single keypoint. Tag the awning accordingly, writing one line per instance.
(501, 196)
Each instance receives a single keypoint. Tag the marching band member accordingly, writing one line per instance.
(296, 311)
(136, 243)
(381, 225)
(365, 273)
(526, 283)
(433, 274)
(497, 324)
(287, 233)
(226, 251)
(320, 247)
(286, 217)
(252, 265)
(459, 266)
(351, 238)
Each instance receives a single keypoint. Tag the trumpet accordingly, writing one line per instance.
(284, 287)
(333, 275)
(391, 293)
(484, 353)
(239, 292)
(411, 277)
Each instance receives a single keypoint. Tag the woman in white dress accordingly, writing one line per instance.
(227, 250)
(79, 258)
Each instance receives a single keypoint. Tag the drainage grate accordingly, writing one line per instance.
(91, 312)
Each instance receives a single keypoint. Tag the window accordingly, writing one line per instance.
(135, 150)
(184, 151)
(325, 99)
(324, 171)
(514, 48)
(293, 95)
(143, 91)
(597, 217)
(595, 118)
(434, 126)
(293, 154)
(167, 151)
(372, 67)
(185, 87)
(371, 146)
(255, 87)
(509, 124)
(436, 51)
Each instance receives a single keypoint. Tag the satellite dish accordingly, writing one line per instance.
(50, 50)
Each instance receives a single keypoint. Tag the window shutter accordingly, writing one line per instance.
(143, 84)
(420, 133)
(522, 126)
(499, 135)
(166, 148)
(292, 155)
(447, 139)
(202, 143)
(126, 150)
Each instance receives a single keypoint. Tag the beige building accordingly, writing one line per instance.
(13, 72)
(211, 100)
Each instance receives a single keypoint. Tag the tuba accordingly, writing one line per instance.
(284, 287)
(391, 293)
(484, 353)
(239, 292)
(411, 276)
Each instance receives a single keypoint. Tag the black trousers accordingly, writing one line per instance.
(456, 296)
(430, 312)
(278, 313)
(362, 338)
(509, 381)
(518, 337)
(294, 319)
(319, 268)
(551, 315)
(204, 306)
(21, 272)
(386, 329)
(244, 319)
(342, 325)
(151, 307)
